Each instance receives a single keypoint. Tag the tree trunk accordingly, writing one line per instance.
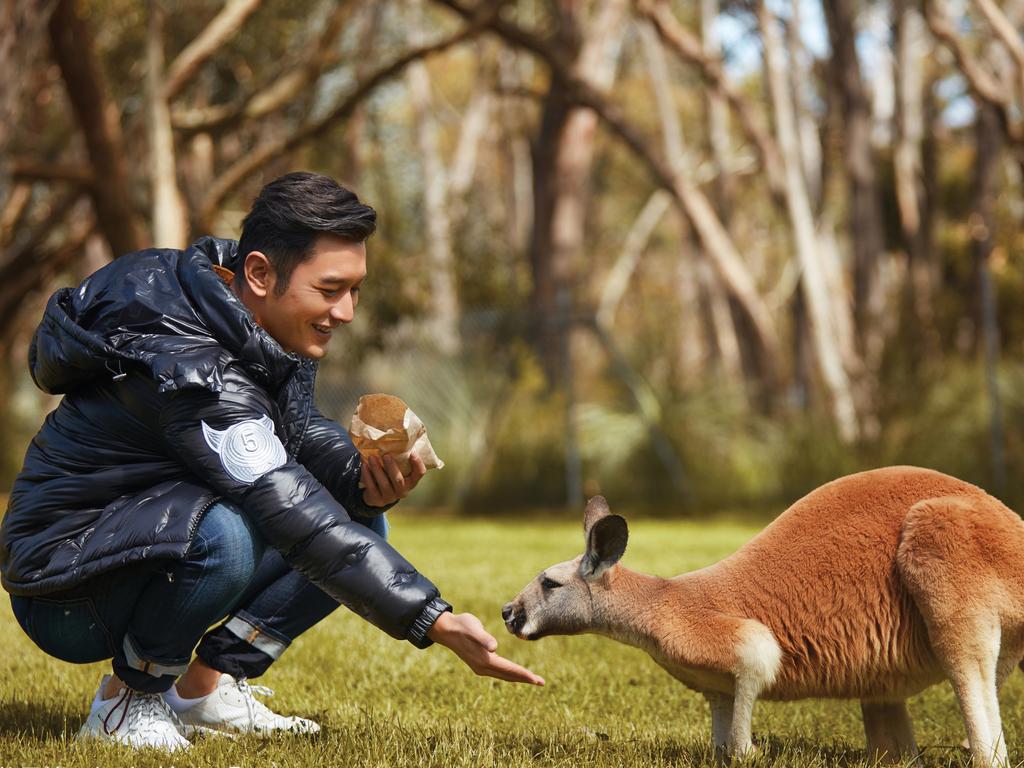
(800, 73)
(444, 321)
(726, 344)
(864, 223)
(908, 166)
(554, 116)
(22, 27)
(691, 358)
(989, 143)
(169, 216)
(472, 130)
(561, 185)
(99, 121)
(718, 119)
(819, 298)
(518, 192)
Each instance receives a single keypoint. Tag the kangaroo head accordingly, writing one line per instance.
(559, 600)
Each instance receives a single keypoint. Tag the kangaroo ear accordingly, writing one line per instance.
(606, 543)
(597, 508)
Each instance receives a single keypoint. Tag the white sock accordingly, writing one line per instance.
(179, 704)
(98, 700)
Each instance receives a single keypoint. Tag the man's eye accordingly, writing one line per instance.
(330, 292)
(547, 583)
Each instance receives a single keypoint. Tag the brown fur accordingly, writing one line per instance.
(873, 587)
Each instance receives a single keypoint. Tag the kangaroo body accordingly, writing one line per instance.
(872, 587)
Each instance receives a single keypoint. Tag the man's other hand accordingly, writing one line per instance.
(466, 637)
(384, 483)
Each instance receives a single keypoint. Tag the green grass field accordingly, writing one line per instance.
(383, 703)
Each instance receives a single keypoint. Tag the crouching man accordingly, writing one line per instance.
(187, 476)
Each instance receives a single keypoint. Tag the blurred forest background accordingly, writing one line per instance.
(698, 255)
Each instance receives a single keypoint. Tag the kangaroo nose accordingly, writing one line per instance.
(513, 621)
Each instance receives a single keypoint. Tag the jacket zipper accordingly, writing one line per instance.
(198, 518)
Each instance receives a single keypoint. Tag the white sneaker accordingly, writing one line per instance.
(233, 709)
(133, 719)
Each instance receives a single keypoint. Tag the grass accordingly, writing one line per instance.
(383, 703)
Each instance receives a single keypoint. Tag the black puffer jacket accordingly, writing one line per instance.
(175, 398)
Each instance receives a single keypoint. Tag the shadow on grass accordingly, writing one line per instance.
(782, 751)
(26, 718)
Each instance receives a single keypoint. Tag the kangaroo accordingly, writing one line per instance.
(873, 587)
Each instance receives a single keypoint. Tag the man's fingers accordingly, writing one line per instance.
(419, 469)
(416, 473)
(479, 634)
(394, 475)
(369, 481)
(382, 479)
(503, 669)
(487, 641)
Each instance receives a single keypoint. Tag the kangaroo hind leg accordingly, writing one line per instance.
(889, 732)
(942, 542)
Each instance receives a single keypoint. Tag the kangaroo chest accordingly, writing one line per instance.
(700, 680)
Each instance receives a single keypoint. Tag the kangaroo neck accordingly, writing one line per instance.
(630, 607)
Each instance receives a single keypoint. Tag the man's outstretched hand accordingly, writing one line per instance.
(463, 634)
(383, 482)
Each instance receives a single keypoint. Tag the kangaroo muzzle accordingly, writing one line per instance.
(514, 618)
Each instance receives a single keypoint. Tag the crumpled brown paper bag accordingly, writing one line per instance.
(385, 424)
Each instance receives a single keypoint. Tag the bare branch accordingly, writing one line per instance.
(223, 26)
(59, 211)
(34, 268)
(1011, 37)
(639, 234)
(227, 182)
(982, 82)
(13, 210)
(31, 170)
(689, 48)
(980, 79)
(278, 94)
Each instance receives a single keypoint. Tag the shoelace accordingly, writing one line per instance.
(126, 699)
(252, 706)
(147, 705)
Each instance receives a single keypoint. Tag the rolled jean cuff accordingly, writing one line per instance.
(417, 634)
(145, 673)
(151, 666)
(264, 639)
(242, 647)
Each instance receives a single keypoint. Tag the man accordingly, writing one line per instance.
(187, 476)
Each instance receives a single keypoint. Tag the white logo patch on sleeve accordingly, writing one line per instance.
(248, 449)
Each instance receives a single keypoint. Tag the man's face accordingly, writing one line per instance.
(321, 295)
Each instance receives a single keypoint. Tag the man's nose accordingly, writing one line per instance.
(344, 310)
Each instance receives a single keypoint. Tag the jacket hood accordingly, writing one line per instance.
(166, 310)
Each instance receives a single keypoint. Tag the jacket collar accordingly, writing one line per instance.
(230, 322)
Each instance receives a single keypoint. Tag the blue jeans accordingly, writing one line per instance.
(149, 617)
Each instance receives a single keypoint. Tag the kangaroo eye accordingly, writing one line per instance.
(547, 583)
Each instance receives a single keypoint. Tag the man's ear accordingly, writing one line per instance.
(258, 274)
(606, 543)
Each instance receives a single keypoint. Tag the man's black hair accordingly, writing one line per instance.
(291, 212)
